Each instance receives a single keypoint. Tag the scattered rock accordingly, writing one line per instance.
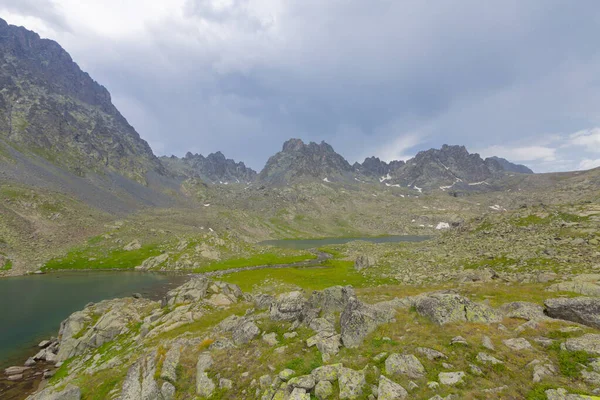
(364, 262)
(517, 344)
(459, 340)
(389, 390)
(286, 374)
(351, 383)
(404, 364)
(589, 343)
(451, 378)
(487, 343)
(523, 310)
(204, 385)
(134, 245)
(169, 367)
(487, 359)
(431, 354)
(271, 339)
(327, 372)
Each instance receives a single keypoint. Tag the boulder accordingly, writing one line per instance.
(431, 354)
(169, 367)
(288, 307)
(245, 332)
(306, 382)
(331, 300)
(133, 245)
(517, 344)
(168, 391)
(358, 320)
(389, 390)
(485, 358)
(443, 308)
(351, 383)
(364, 262)
(323, 390)
(451, 378)
(153, 262)
(327, 372)
(201, 288)
(404, 364)
(580, 286)
(589, 343)
(263, 301)
(584, 310)
(204, 385)
(523, 310)
(562, 394)
(299, 394)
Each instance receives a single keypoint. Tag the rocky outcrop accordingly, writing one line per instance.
(364, 262)
(443, 308)
(69, 393)
(584, 310)
(523, 310)
(98, 324)
(202, 288)
(288, 307)
(358, 320)
(204, 385)
(140, 382)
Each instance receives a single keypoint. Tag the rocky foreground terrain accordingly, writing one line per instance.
(209, 339)
(501, 301)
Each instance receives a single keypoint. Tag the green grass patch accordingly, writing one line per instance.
(531, 220)
(109, 259)
(7, 266)
(333, 272)
(501, 261)
(256, 260)
(569, 361)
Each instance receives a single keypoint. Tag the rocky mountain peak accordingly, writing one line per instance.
(298, 161)
(48, 105)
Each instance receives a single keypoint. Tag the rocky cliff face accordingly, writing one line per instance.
(298, 161)
(214, 168)
(50, 107)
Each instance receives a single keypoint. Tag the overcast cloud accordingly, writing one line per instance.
(517, 79)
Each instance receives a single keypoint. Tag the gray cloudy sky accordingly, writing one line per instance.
(514, 78)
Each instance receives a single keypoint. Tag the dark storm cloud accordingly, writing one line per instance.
(381, 77)
(43, 9)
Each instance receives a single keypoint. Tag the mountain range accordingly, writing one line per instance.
(55, 118)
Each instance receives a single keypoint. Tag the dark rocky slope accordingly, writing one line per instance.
(214, 168)
(50, 107)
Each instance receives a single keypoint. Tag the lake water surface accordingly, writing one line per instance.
(304, 244)
(32, 307)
